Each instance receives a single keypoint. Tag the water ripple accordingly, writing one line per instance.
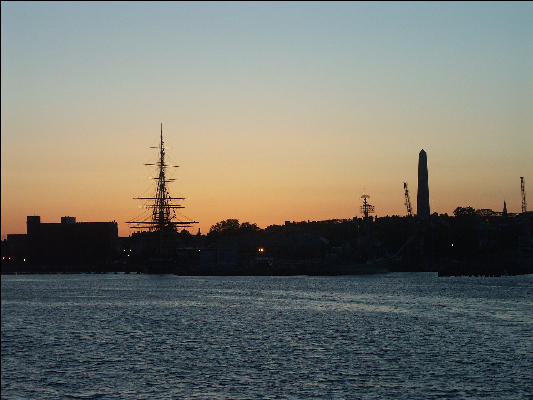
(158, 337)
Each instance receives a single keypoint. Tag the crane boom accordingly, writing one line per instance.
(407, 200)
(523, 193)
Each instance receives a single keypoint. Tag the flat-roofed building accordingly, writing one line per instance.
(71, 242)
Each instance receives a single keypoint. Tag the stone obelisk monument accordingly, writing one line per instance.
(422, 197)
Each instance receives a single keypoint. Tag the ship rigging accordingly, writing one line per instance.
(163, 217)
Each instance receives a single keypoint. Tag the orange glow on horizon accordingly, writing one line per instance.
(267, 125)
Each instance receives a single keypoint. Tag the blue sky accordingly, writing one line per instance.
(315, 100)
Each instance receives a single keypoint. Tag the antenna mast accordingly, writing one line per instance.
(407, 200)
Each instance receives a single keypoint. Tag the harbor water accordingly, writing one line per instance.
(396, 336)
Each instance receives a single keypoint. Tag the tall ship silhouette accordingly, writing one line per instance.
(157, 236)
(163, 216)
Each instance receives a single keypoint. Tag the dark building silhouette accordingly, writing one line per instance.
(422, 197)
(70, 242)
(471, 242)
(16, 247)
(68, 220)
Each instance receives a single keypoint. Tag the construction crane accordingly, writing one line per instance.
(407, 200)
(523, 191)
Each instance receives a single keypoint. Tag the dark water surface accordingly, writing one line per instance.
(403, 336)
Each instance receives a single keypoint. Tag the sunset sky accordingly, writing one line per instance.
(273, 111)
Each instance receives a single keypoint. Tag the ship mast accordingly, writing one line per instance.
(161, 211)
(163, 217)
